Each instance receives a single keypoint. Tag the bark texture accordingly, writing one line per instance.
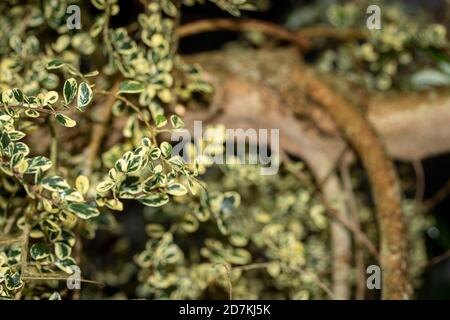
(385, 189)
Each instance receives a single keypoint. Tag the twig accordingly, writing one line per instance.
(99, 130)
(129, 104)
(438, 258)
(252, 266)
(23, 255)
(50, 112)
(325, 288)
(268, 28)
(359, 254)
(53, 147)
(61, 278)
(321, 285)
(438, 197)
(345, 222)
(329, 32)
(302, 38)
(230, 284)
(10, 222)
(327, 176)
(359, 235)
(8, 241)
(261, 265)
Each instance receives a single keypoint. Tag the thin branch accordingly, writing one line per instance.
(438, 258)
(230, 284)
(333, 213)
(330, 32)
(321, 285)
(265, 27)
(53, 147)
(302, 38)
(420, 183)
(359, 235)
(330, 172)
(438, 197)
(253, 266)
(359, 254)
(9, 241)
(99, 130)
(23, 255)
(12, 219)
(60, 278)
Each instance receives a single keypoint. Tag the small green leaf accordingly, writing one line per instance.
(91, 74)
(31, 113)
(240, 256)
(62, 250)
(16, 159)
(154, 230)
(176, 189)
(160, 121)
(83, 211)
(54, 183)
(65, 120)
(154, 199)
(73, 195)
(39, 251)
(82, 184)
(176, 162)
(134, 164)
(18, 95)
(13, 281)
(166, 149)
(130, 86)
(66, 264)
(38, 163)
(55, 296)
(99, 4)
(104, 186)
(121, 165)
(69, 90)
(155, 153)
(16, 135)
(146, 142)
(51, 98)
(84, 96)
(189, 223)
(20, 147)
(55, 64)
(4, 139)
(176, 122)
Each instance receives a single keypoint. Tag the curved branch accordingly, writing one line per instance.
(268, 28)
(301, 38)
(385, 188)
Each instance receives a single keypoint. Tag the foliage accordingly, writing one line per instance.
(61, 188)
(408, 52)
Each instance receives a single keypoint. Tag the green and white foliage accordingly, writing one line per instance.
(43, 206)
(276, 243)
(408, 52)
(51, 197)
(147, 174)
(233, 7)
(59, 186)
(152, 62)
